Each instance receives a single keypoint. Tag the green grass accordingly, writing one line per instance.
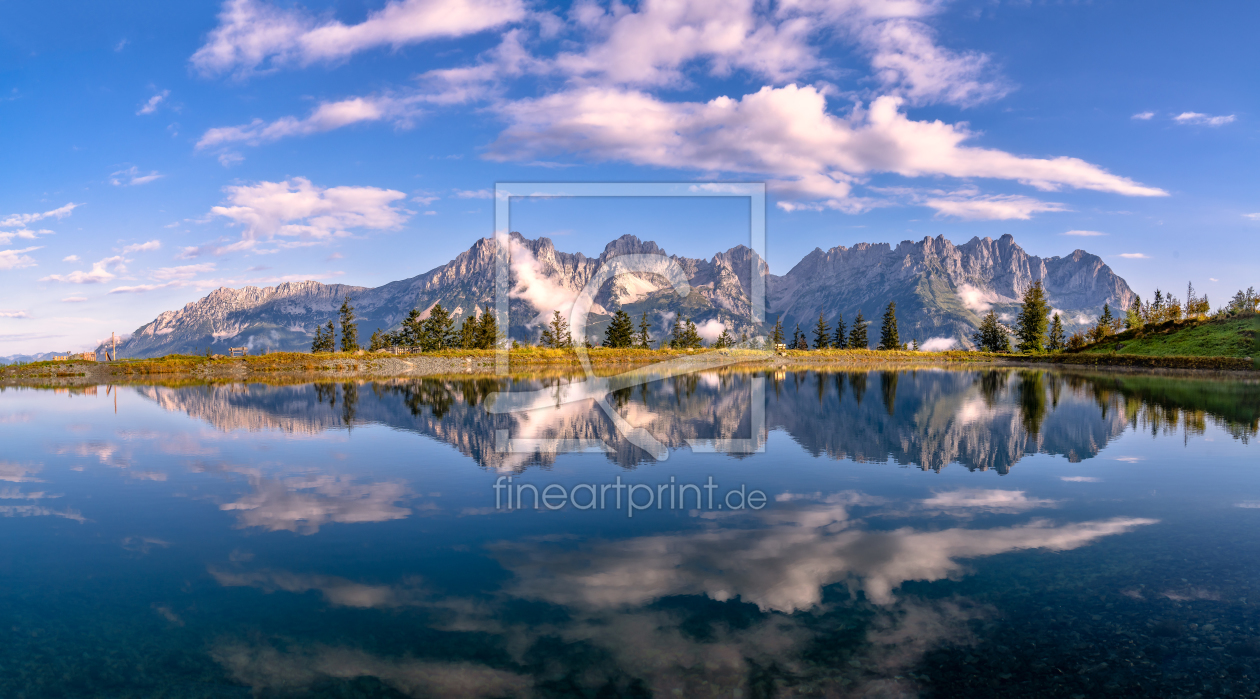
(1235, 337)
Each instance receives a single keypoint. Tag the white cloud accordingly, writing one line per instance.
(74, 299)
(70, 258)
(1213, 279)
(99, 274)
(977, 299)
(994, 207)
(182, 272)
(489, 194)
(255, 35)
(59, 213)
(131, 176)
(1143, 116)
(298, 209)
(143, 247)
(1085, 234)
(908, 62)
(326, 117)
(1202, 119)
(710, 329)
(229, 159)
(14, 314)
(17, 259)
(142, 288)
(981, 500)
(23, 233)
(1253, 217)
(785, 132)
(1135, 256)
(939, 344)
(151, 106)
(1080, 479)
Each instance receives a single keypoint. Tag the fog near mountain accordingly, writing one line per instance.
(941, 289)
(929, 419)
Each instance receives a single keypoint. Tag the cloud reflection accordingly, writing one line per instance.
(303, 505)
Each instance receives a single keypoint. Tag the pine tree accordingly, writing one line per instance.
(991, 336)
(438, 330)
(888, 338)
(857, 336)
(724, 340)
(487, 331)
(349, 330)
(556, 335)
(412, 330)
(841, 340)
(798, 339)
(468, 332)
(1103, 327)
(822, 333)
(1057, 341)
(322, 342)
(620, 332)
(685, 336)
(378, 341)
(915, 346)
(776, 335)
(645, 335)
(1030, 326)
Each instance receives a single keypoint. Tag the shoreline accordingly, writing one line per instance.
(293, 367)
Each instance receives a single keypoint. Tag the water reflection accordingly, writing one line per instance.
(926, 418)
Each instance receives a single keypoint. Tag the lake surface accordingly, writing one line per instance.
(933, 533)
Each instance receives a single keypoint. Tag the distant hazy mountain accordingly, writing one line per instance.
(941, 291)
(28, 358)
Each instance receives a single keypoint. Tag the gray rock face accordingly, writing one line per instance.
(941, 290)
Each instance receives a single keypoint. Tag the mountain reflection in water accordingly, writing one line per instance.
(925, 418)
(336, 539)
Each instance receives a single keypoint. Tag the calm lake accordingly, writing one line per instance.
(930, 532)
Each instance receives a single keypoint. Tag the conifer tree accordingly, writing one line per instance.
(685, 336)
(724, 340)
(644, 338)
(776, 335)
(1057, 341)
(487, 331)
(438, 330)
(915, 347)
(323, 341)
(1030, 326)
(349, 330)
(556, 335)
(412, 330)
(888, 338)
(857, 336)
(620, 332)
(378, 342)
(822, 333)
(468, 332)
(841, 340)
(991, 336)
(798, 339)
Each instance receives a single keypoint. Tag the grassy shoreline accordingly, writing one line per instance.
(286, 367)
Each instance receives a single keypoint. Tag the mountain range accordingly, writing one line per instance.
(942, 290)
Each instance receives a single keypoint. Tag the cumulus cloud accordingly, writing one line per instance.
(151, 105)
(13, 220)
(982, 500)
(1135, 256)
(786, 132)
(325, 117)
(1143, 116)
(70, 258)
(1084, 234)
(17, 259)
(132, 176)
(14, 472)
(183, 271)
(489, 194)
(1200, 119)
(303, 505)
(535, 284)
(101, 272)
(1253, 217)
(977, 299)
(296, 208)
(939, 344)
(254, 35)
(14, 314)
(992, 207)
(74, 299)
(710, 329)
(142, 247)
(908, 61)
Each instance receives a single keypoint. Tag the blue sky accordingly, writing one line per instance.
(154, 150)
